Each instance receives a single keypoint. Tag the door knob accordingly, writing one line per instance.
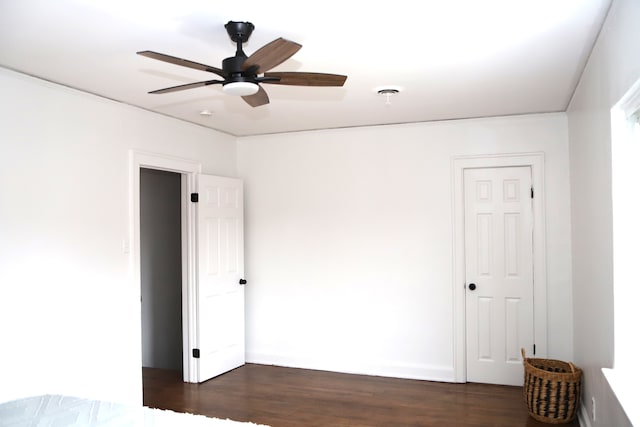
(472, 286)
(242, 282)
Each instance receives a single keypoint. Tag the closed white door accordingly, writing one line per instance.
(219, 293)
(499, 272)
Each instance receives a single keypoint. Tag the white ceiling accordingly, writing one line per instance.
(453, 58)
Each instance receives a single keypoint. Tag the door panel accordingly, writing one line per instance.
(499, 261)
(220, 297)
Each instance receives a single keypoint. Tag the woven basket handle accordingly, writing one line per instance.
(524, 355)
(573, 368)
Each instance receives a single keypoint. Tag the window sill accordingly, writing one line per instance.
(623, 388)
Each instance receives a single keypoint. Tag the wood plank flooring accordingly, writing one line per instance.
(287, 397)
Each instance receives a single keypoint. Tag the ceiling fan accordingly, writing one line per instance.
(243, 75)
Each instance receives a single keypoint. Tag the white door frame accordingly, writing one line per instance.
(188, 169)
(536, 162)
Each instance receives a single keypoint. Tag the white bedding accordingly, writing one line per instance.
(67, 411)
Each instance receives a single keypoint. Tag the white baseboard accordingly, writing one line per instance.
(583, 416)
(393, 370)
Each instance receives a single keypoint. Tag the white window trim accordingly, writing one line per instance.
(625, 154)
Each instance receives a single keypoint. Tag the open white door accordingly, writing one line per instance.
(219, 297)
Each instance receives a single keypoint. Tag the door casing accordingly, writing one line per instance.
(188, 170)
(536, 162)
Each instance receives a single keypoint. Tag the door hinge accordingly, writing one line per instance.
(194, 197)
(196, 353)
(532, 192)
(534, 349)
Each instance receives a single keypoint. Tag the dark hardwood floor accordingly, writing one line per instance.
(286, 397)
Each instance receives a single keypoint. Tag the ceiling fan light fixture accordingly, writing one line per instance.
(240, 88)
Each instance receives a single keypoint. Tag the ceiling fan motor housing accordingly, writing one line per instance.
(233, 65)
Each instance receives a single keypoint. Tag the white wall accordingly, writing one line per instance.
(613, 67)
(349, 242)
(348, 239)
(69, 314)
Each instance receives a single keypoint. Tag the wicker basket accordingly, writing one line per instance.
(551, 389)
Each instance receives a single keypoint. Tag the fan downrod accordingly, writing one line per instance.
(239, 31)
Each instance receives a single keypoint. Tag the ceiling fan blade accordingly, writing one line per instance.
(257, 99)
(271, 55)
(187, 86)
(183, 62)
(294, 78)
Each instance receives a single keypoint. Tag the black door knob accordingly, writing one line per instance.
(472, 286)
(243, 282)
